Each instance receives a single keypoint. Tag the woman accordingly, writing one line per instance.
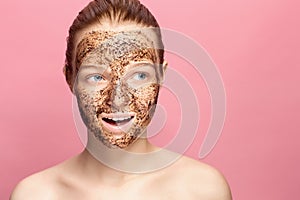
(115, 66)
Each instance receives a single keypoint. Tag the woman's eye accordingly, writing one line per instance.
(140, 76)
(95, 78)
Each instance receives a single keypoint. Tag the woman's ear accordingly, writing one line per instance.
(165, 65)
(164, 68)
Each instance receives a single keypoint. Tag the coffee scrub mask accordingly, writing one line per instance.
(117, 84)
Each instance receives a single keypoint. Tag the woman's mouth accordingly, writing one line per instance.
(117, 123)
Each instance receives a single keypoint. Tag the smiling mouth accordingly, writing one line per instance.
(117, 121)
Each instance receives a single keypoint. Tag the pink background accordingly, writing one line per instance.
(255, 45)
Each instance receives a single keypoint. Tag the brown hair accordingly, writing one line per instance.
(115, 10)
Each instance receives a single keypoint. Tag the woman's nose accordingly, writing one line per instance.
(119, 97)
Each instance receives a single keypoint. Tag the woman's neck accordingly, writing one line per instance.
(102, 163)
(116, 165)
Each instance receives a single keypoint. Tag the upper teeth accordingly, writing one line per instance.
(118, 119)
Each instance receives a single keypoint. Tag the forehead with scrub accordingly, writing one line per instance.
(103, 46)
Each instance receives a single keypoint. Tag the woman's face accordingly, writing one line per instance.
(117, 84)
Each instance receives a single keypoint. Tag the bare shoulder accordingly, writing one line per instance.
(42, 185)
(33, 187)
(201, 180)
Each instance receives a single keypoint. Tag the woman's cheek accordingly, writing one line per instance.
(144, 102)
(147, 94)
(89, 102)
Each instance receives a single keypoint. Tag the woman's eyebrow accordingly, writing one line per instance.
(132, 65)
(93, 66)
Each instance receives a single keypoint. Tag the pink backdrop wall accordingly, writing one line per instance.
(255, 45)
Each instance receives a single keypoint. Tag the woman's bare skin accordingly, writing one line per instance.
(84, 177)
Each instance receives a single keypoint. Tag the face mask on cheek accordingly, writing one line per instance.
(119, 113)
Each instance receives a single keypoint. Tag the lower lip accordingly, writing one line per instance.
(118, 130)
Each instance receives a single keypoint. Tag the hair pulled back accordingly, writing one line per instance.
(116, 11)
